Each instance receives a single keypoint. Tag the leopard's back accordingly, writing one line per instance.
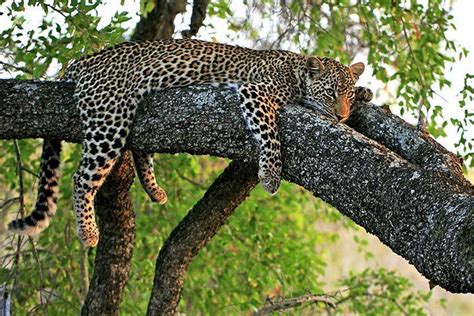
(160, 64)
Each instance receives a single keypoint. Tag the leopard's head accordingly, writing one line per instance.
(330, 86)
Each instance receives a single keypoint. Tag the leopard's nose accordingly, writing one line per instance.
(343, 108)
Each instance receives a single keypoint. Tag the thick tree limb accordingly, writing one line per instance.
(407, 141)
(115, 249)
(198, 227)
(422, 214)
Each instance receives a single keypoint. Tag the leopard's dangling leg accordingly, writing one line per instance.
(145, 171)
(259, 104)
(102, 145)
(45, 206)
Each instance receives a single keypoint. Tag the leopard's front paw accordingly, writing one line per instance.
(270, 181)
(89, 234)
(363, 94)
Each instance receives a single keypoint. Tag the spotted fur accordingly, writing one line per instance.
(110, 85)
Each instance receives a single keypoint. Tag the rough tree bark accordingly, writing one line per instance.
(423, 214)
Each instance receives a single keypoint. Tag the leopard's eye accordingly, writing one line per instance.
(332, 94)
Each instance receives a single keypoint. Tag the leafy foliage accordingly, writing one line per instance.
(270, 248)
(382, 292)
(67, 30)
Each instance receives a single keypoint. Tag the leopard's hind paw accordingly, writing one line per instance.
(270, 181)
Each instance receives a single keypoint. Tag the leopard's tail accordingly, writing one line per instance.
(47, 193)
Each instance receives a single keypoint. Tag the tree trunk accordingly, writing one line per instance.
(115, 249)
(424, 214)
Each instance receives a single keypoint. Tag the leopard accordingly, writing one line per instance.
(111, 83)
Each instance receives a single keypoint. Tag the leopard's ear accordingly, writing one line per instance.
(357, 69)
(315, 66)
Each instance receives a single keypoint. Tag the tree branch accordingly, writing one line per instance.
(289, 303)
(422, 214)
(159, 22)
(229, 190)
(409, 142)
(115, 249)
(197, 18)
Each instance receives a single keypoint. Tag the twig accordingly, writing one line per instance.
(421, 122)
(6, 203)
(69, 19)
(66, 18)
(40, 270)
(21, 200)
(59, 297)
(19, 172)
(19, 68)
(36, 175)
(404, 312)
(295, 302)
(329, 299)
(79, 296)
(199, 185)
(348, 297)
